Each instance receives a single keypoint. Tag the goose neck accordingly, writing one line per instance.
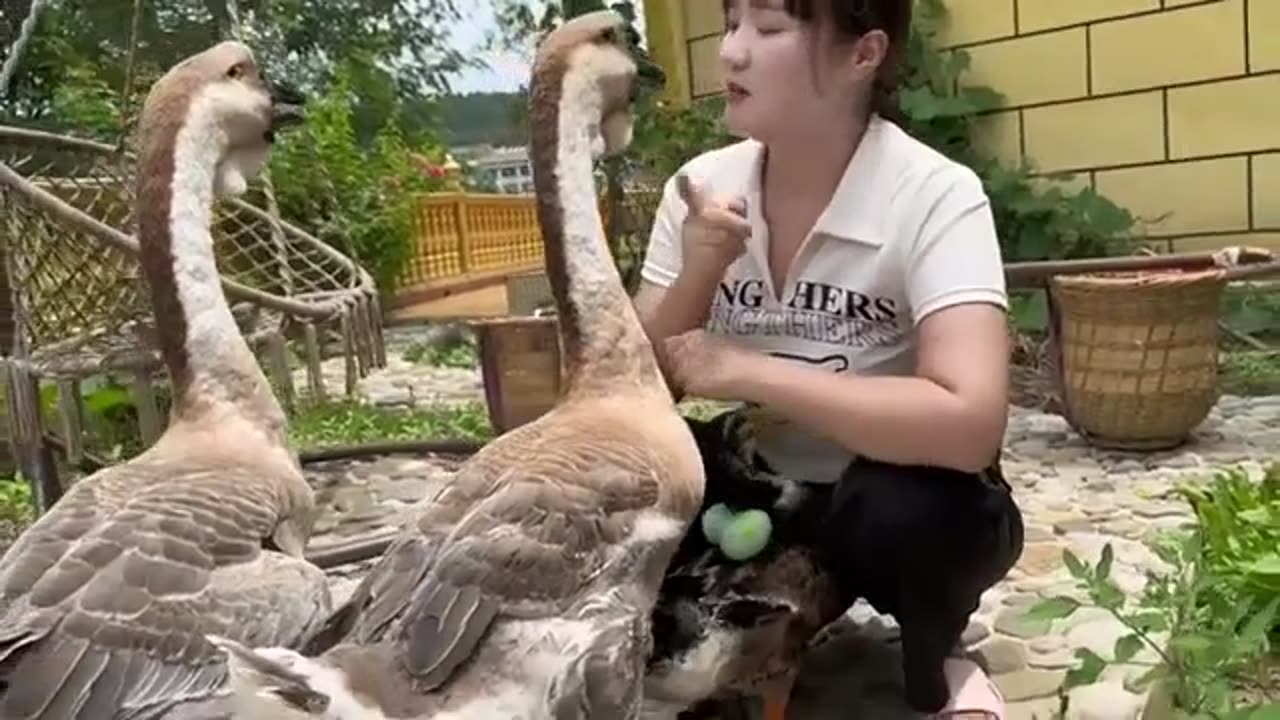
(211, 367)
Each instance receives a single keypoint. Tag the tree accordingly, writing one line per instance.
(392, 48)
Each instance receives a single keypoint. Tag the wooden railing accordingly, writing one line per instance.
(461, 234)
(465, 235)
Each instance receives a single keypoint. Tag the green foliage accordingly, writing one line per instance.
(1239, 525)
(462, 354)
(85, 102)
(16, 506)
(111, 422)
(1253, 308)
(1250, 373)
(484, 117)
(360, 198)
(401, 47)
(366, 66)
(667, 137)
(346, 422)
(1211, 619)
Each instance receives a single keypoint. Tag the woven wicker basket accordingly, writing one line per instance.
(1137, 354)
(528, 292)
(520, 364)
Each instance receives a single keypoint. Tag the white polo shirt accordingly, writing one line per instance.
(907, 232)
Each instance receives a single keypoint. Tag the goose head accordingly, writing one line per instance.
(594, 60)
(223, 93)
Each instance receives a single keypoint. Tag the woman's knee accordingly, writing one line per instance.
(938, 521)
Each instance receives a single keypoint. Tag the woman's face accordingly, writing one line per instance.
(779, 77)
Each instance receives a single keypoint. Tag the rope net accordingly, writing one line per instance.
(82, 304)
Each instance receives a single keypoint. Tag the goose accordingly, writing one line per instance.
(524, 588)
(106, 600)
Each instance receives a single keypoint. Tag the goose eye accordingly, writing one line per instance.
(609, 36)
(235, 71)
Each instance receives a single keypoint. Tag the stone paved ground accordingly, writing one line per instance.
(1072, 496)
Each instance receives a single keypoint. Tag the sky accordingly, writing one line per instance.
(507, 71)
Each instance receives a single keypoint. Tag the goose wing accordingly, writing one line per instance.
(522, 530)
(107, 600)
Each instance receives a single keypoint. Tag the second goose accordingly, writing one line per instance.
(105, 602)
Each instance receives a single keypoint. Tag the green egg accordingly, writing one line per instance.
(746, 534)
(714, 521)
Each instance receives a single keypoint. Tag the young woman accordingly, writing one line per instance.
(844, 281)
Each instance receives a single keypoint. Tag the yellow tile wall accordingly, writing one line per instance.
(1041, 14)
(1170, 106)
(1123, 129)
(1168, 48)
(1266, 191)
(1167, 106)
(703, 17)
(1198, 196)
(977, 20)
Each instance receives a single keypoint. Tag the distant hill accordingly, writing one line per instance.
(475, 118)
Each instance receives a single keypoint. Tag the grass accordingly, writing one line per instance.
(1250, 373)
(464, 354)
(350, 422)
(16, 509)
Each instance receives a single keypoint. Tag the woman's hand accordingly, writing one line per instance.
(701, 364)
(714, 232)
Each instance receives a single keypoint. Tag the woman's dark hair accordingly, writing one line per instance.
(854, 18)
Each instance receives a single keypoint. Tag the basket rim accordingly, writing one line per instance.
(1140, 278)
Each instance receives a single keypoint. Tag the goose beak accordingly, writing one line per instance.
(287, 105)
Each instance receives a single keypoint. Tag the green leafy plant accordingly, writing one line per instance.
(1212, 618)
(359, 197)
(16, 507)
(1239, 525)
(667, 136)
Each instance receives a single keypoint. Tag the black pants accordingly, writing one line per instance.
(919, 543)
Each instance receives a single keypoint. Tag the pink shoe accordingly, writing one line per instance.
(973, 695)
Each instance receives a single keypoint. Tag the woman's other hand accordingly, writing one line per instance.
(704, 365)
(714, 232)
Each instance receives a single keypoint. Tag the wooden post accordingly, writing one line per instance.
(150, 424)
(375, 324)
(7, 328)
(69, 406)
(315, 376)
(278, 361)
(348, 350)
(35, 459)
(461, 212)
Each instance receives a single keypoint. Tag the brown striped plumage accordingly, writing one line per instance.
(107, 600)
(524, 588)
